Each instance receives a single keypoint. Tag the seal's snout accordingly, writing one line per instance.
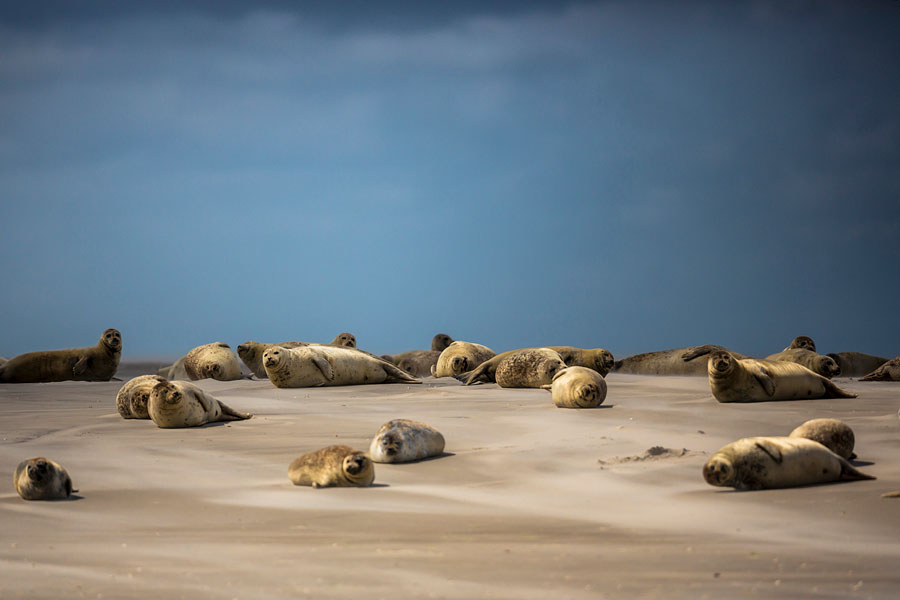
(588, 393)
(460, 364)
(356, 464)
(717, 472)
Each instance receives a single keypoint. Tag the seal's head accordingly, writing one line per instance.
(407, 365)
(718, 471)
(274, 357)
(604, 361)
(803, 341)
(166, 393)
(549, 367)
(112, 339)
(825, 365)
(388, 447)
(460, 365)
(248, 350)
(357, 466)
(721, 363)
(440, 341)
(38, 469)
(345, 339)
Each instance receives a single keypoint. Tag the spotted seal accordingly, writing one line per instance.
(831, 433)
(817, 363)
(340, 466)
(577, 387)
(460, 357)
(889, 371)
(42, 479)
(677, 361)
(856, 364)
(402, 440)
(94, 363)
(176, 404)
(310, 366)
(132, 399)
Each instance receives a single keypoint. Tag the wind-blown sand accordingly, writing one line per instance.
(519, 507)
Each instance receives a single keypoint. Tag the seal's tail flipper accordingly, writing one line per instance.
(851, 473)
(397, 375)
(876, 375)
(229, 414)
(478, 373)
(833, 391)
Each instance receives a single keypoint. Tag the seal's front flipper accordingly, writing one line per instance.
(80, 366)
(771, 449)
(698, 351)
(833, 391)
(765, 380)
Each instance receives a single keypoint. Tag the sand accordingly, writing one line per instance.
(529, 501)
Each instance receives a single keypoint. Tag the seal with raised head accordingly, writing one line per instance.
(577, 387)
(817, 363)
(678, 361)
(856, 364)
(347, 340)
(252, 352)
(440, 342)
(42, 479)
(831, 433)
(311, 366)
(403, 440)
(802, 341)
(751, 380)
(212, 361)
(177, 404)
(94, 363)
(132, 399)
(461, 357)
(528, 367)
(340, 466)
(598, 359)
(889, 371)
(758, 463)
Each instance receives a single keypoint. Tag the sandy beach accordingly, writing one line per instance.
(529, 500)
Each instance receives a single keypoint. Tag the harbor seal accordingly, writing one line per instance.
(440, 342)
(132, 399)
(42, 479)
(751, 380)
(678, 361)
(310, 366)
(417, 362)
(577, 387)
(856, 364)
(340, 466)
(528, 367)
(251, 354)
(461, 357)
(802, 341)
(758, 463)
(402, 440)
(347, 340)
(889, 371)
(94, 363)
(177, 404)
(831, 433)
(598, 359)
(212, 361)
(817, 363)
(174, 371)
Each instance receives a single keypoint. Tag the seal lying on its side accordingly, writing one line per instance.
(461, 357)
(310, 366)
(42, 479)
(751, 380)
(889, 371)
(678, 361)
(177, 404)
(758, 463)
(340, 466)
(402, 440)
(831, 433)
(132, 399)
(94, 363)
(856, 364)
(577, 387)
(817, 363)
(252, 352)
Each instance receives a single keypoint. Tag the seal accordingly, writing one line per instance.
(831, 433)
(817, 363)
(802, 341)
(251, 354)
(417, 362)
(94, 363)
(42, 479)
(751, 380)
(889, 371)
(461, 357)
(598, 359)
(212, 361)
(402, 440)
(340, 466)
(856, 364)
(176, 404)
(311, 366)
(758, 463)
(440, 342)
(174, 371)
(678, 361)
(132, 399)
(347, 340)
(527, 367)
(577, 387)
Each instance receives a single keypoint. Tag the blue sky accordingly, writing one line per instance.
(516, 174)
